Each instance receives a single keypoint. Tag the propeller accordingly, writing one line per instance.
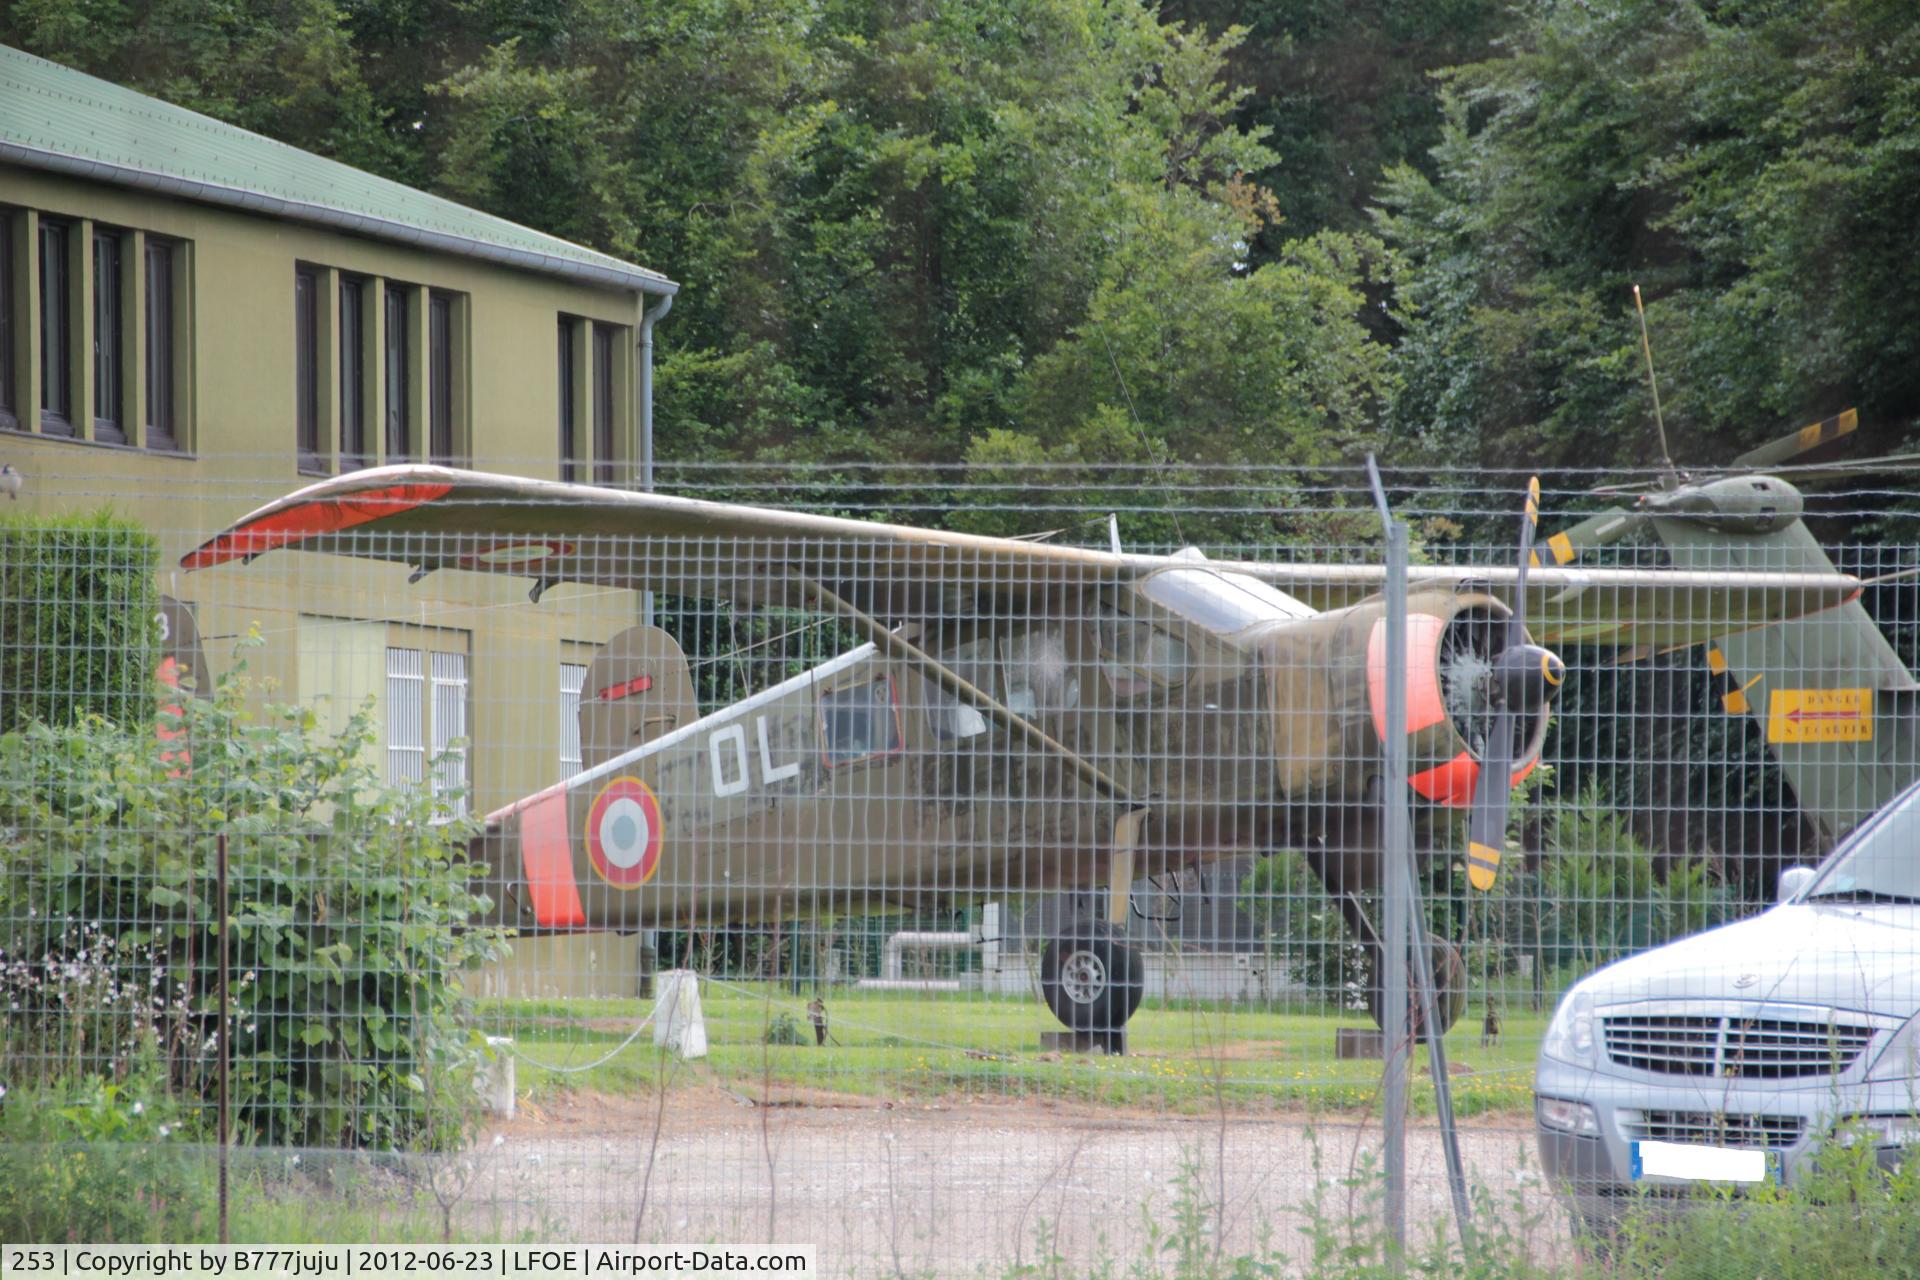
(1523, 677)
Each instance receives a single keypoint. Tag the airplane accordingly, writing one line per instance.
(1832, 699)
(1022, 715)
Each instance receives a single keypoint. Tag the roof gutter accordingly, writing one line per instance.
(619, 276)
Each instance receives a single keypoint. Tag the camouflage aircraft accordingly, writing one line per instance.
(1835, 704)
(1022, 715)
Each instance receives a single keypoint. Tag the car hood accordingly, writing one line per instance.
(1845, 956)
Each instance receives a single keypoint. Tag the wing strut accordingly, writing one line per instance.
(899, 648)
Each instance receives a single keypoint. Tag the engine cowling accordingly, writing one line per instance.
(1327, 683)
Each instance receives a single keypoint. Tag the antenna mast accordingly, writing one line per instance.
(1672, 478)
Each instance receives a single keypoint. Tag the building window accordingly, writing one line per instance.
(440, 378)
(107, 364)
(573, 675)
(56, 327)
(398, 348)
(569, 407)
(306, 368)
(9, 395)
(353, 374)
(161, 430)
(426, 720)
(603, 436)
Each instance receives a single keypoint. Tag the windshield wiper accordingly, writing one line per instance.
(1865, 895)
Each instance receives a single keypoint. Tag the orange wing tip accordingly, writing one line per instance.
(310, 519)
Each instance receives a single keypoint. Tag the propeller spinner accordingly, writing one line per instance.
(1523, 678)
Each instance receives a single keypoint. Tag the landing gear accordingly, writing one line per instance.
(1092, 981)
(1449, 996)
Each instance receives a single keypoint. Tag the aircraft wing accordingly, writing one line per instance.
(445, 518)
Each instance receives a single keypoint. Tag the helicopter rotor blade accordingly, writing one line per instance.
(1795, 443)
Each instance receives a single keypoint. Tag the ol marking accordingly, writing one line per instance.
(623, 833)
(727, 752)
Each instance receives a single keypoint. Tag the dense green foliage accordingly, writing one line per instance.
(1008, 231)
(76, 618)
(351, 910)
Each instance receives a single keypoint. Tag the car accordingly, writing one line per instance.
(1730, 1056)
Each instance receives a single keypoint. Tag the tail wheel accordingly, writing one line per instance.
(1450, 990)
(1091, 981)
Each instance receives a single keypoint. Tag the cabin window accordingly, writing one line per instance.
(1137, 657)
(1040, 679)
(859, 722)
(950, 718)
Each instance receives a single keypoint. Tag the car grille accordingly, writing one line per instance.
(1713, 1130)
(1734, 1046)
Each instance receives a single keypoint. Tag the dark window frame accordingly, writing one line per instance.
(109, 356)
(354, 454)
(397, 378)
(160, 432)
(603, 419)
(569, 407)
(9, 387)
(308, 455)
(56, 321)
(442, 446)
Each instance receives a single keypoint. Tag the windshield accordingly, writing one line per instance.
(1881, 863)
(1221, 602)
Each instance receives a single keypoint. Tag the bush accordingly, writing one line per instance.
(103, 1161)
(351, 912)
(784, 1029)
(77, 606)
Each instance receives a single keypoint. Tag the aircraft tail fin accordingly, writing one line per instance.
(638, 687)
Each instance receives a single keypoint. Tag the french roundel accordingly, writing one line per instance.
(623, 833)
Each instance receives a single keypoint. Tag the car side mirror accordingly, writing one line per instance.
(1792, 881)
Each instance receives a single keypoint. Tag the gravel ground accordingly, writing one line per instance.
(962, 1188)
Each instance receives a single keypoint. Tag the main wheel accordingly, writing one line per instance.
(1092, 982)
(1449, 997)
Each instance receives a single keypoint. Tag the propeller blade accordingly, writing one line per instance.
(1600, 530)
(1487, 824)
(1529, 521)
(1795, 443)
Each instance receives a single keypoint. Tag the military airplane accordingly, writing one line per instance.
(1834, 702)
(1022, 715)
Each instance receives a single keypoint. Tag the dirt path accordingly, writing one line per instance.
(963, 1189)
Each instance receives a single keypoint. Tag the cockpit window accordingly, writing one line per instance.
(1137, 657)
(1877, 865)
(1221, 602)
(950, 718)
(1040, 680)
(859, 722)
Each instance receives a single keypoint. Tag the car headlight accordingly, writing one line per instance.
(1570, 1036)
(1567, 1117)
(1900, 1060)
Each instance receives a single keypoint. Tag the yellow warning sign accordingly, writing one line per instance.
(1820, 715)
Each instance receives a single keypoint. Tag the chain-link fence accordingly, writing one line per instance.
(962, 878)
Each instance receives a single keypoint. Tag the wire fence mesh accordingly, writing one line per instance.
(958, 875)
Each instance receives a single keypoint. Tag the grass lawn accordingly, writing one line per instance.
(924, 1046)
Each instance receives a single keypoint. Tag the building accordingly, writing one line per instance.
(195, 319)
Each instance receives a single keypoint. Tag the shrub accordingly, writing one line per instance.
(77, 605)
(350, 906)
(784, 1029)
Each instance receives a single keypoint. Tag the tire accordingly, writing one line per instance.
(1091, 981)
(1449, 998)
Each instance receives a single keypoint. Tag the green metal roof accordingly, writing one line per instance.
(55, 118)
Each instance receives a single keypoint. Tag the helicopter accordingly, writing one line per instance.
(1020, 715)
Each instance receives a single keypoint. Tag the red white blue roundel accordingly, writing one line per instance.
(623, 833)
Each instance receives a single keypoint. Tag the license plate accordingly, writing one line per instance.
(1688, 1162)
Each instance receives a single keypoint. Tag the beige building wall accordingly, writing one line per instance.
(236, 416)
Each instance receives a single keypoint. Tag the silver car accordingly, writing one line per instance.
(1731, 1055)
